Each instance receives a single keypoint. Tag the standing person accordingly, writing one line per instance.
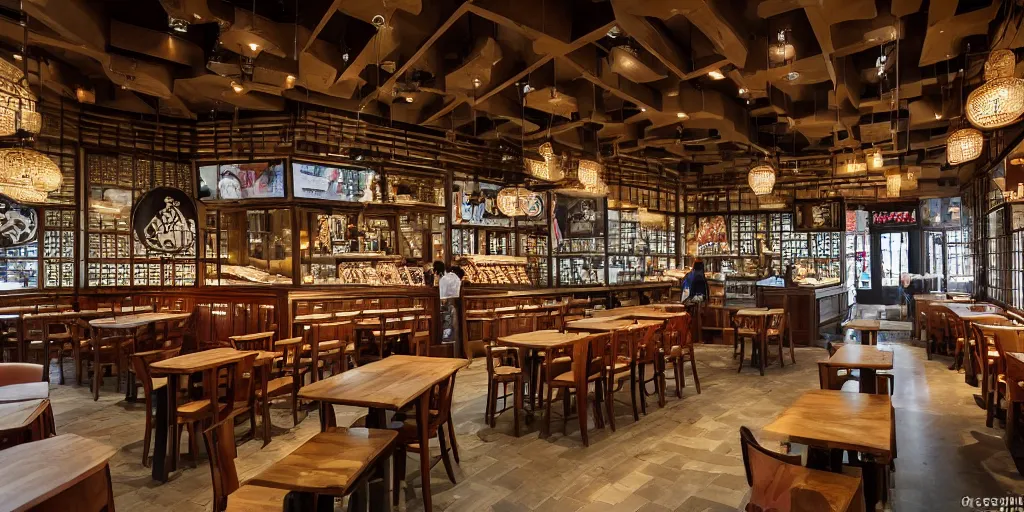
(695, 285)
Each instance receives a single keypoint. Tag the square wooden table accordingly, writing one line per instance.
(389, 384)
(839, 420)
(866, 358)
(26, 421)
(206, 362)
(31, 474)
(530, 344)
(24, 391)
(603, 325)
(333, 463)
(125, 323)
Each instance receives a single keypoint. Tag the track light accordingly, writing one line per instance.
(716, 74)
(237, 87)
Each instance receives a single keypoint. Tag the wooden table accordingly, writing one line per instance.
(968, 313)
(124, 323)
(206, 362)
(870, 328)
(389, 384)
(867, 359)
(24, 422)
(530, 344)
(25, 391)
(51, 471)
(333, 464)
(839, 420)
(602, 325)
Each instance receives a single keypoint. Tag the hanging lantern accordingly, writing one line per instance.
(17, 102)
(893, 181)
(996, 104)
(910, 178)
(1000, 64)
(27, 176)
(589, 172)
(587, 181)
(964, 145)
(875, 160)
(547, 169)
(762, 179)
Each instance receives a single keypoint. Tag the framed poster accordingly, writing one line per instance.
(164, 220)
(245, 180)
(19, 224)
(579, 217)
(476, 204)
(819, 215)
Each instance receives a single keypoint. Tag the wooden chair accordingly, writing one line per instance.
(503, 369)
(48, 340)
(96, 353)
(191, 415)
(778, 331)
(623, 353)
(985, 354)
(322, 350)
(1014, 399)
(648, 354)
(778, 482)
(228, 494)
(140, 364)
(408, 435)
(287, 380)
(587, 366)
(677, 345)
(1006, 338)
(748, 327)
(254, 341)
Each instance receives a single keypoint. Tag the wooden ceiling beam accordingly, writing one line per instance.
(585, 62)
(652, 39)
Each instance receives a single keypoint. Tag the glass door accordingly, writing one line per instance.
(934, 259)
(894, 251)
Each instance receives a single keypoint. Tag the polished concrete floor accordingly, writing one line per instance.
(683, 457)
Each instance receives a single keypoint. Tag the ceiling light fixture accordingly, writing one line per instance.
(177, 24)
(477, 82)
(938, 116)
(792, 75)
(643, 109)
(27, 176)
(237, 87)
(409, 99)
(682, 115)
(963, 146)
(18, 104)
(999, 101)
(254, 46)
(716, 74)
(762, 179)
(17, 57)
(289, 81)
(742, 91)
(893, 181)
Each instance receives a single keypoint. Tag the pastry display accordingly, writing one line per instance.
(501, 270)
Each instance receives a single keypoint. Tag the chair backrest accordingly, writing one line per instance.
(442, 402)
(255, 341)
(220, 445)
(20, 373)
(241, 381)
(759, 461)
(1015, 374)
(1017, 319)
(589, 356)
(1007, 338)
(142, 360)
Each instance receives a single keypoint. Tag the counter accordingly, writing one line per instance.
(813, 310)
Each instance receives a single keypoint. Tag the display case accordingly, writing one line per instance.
(248, 247)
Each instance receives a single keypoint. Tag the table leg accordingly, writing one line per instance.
(20, 326)
(422, 420)
(327, 417)
(162, 422)
(46, 352)
(868, 381)
(296, 501)
(97, 368)
(265, 406)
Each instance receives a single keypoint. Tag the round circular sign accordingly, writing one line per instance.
(18, 223)
(164, 220)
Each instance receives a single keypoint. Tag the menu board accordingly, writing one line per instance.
(247, 180)
(819, 215)
(318, 181)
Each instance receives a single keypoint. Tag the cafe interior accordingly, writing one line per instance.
(684, 255)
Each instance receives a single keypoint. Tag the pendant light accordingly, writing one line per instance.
(909, 180)
(762, 179)
(519, 202)
(27, 176)
(999, 101)
(893, 181)
(964, 145)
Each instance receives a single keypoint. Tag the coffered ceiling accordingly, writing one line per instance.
(712, 82)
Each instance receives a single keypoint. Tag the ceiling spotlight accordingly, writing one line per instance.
(289, 81)
(681, 115)
(254, 47)
(237, 87)
(614, 32)
(742, 91)
(938, 116)
(716, 74)
(477, 82)
(409, 99)
(17, 57)
(197, 16)
(345, 57)
(177, 24)
(378, 21)
(792, 75)
(643, 109)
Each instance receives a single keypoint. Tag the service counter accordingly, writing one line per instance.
(812, 310)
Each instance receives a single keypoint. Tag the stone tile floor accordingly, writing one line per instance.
(684, 457)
